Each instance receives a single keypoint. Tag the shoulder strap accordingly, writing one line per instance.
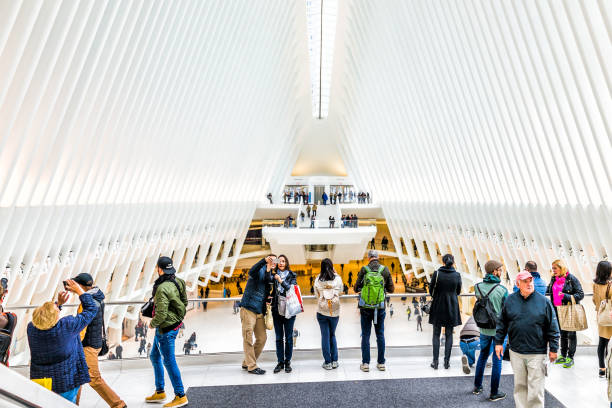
(381, 268)
(491, 290)
(608, 290)
(367, 268)
(477, 287)
(435, 284)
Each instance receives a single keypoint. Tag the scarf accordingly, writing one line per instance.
(160, 280)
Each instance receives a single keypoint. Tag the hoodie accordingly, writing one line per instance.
(91, 336)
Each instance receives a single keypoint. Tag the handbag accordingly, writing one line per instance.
(148, 309)
(572, 317)
(268, 317)
(294, 303)
(104, 348)
(604, 311)
(426, 308)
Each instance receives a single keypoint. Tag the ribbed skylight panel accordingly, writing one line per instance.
(321, 52)
(499, 111)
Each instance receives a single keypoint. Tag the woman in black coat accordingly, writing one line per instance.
(444, 288)
(283, 279)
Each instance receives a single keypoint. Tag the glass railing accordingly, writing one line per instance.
(212, 325)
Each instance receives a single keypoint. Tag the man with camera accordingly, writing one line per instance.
(252, 312)
(92, 339)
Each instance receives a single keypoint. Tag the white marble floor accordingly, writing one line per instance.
(133, 380)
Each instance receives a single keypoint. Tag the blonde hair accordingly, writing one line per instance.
(561, 265)
(45, 316)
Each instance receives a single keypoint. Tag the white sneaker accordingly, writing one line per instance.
(335, 364)
(327, 366)
(381, 367)
(364, 367)
(466, 366)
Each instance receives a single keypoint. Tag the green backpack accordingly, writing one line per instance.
(373, 291)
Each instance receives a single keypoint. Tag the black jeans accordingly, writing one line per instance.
(601, 351)
(448, 332)
(568, 343)
(283, 328)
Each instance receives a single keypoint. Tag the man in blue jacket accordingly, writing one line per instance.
(529, 319)
(538, 282)
(252, 311)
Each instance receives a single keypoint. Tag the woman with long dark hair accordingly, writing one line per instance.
(328, 286)
(602, 290)
(444, 288)
(284, 278)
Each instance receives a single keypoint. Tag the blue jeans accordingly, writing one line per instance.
(469, 349)
(329, 347)
(163, 350)
(283, 328)
(487, 347)
(367, 318)
(71, 395)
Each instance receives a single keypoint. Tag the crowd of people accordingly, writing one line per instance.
(301, 196)
(533, 324)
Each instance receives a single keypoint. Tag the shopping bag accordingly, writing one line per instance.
(294, 304)
(572, 317)
(604, 312)
(45, 382)
(268, 320)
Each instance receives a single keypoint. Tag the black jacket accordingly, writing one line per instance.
(257, 288)
(93, 334)
(291, 279)
(572, 287)
(531, 324)
(374, 265)
(444, 288)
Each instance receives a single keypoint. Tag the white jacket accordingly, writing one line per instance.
(328, 296)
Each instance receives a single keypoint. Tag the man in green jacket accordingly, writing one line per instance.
(491, 287)
(170, 298)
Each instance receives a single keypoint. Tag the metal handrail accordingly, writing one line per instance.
(232, 299)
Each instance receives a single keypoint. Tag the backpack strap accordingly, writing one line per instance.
(367, 268)
(492, 289)
(381, 268)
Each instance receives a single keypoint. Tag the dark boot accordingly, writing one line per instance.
(434, 364)
(288, 368)
(279, 367)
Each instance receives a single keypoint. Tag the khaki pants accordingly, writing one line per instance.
(97, 383)
(529, 375)
(252, 323)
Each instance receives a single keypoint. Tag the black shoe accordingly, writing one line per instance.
(434, 365)
(279, 367)
(447, 365)
(477, 390)
(498, 396)
(288, 368)
(257, 371)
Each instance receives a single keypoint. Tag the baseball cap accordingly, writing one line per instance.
(84, 279)
(165, 264)
(522, 276)
(492, 265)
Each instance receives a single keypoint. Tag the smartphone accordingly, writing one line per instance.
(275, 262)
(65, 284)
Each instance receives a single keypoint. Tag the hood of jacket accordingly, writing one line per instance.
(446, 269)
(490, 278)
(97, 294)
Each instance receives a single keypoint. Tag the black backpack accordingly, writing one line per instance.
(6, 335)
(483, 312)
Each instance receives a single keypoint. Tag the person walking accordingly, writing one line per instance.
(469, 342)
(444, 311)
(408, 312)
(312, 221)
(142, 348)
(324, 197)
(490, 293)
(530, 322)
(562, 287)
(391, 310)
(283, 278)
(419, 320)
(314, 209)
(92, 339)
(170, 299)
(373, 281)
(308, 210)
(372, 244)
(602, 291)
(56, 351)
(327, 289)
(252, 311)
